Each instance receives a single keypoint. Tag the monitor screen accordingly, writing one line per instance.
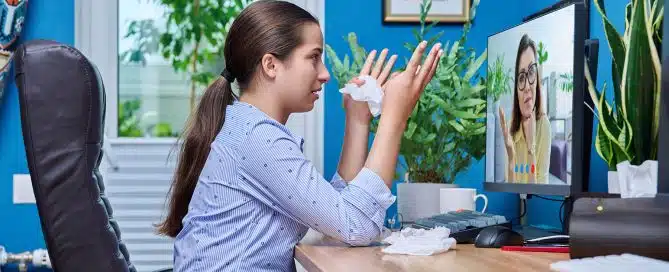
(530, 114)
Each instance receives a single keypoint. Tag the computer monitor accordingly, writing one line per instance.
(538, 135)
(663, 145)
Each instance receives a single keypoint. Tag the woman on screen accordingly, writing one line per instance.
(528, 137)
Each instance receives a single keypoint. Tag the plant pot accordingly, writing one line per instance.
(614, 185)
(418, 200)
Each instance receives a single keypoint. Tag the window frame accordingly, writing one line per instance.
(94, 22)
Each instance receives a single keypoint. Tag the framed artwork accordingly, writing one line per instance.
(408, 11)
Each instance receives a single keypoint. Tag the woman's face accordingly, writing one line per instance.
(527, 82)
(304, 73)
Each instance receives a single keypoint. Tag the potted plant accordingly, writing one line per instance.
(628, 129)
(446, 130)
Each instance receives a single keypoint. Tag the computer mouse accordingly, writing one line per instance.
(497, 237)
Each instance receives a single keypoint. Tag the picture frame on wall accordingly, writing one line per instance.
(408, 11)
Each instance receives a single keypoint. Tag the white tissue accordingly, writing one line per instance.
(637, 181)
(369, 92)
(419, 242)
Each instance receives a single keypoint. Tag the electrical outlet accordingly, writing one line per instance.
(23, 189)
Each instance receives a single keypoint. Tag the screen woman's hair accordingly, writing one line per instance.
(525, 43)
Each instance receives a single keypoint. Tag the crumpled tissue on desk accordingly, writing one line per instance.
(420, 242)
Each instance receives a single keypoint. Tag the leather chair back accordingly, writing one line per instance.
(62, 102)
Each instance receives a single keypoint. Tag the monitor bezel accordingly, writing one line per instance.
(663, 144)
(578, 178)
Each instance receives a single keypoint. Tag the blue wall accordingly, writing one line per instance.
(20, 228)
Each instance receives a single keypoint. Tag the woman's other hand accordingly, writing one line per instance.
(508, 140)
(403, 89)
(358, 111)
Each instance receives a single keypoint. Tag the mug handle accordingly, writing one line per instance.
(485, 200)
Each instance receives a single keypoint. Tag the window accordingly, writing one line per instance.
(147, 105)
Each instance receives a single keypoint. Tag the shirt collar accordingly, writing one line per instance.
(250, 109)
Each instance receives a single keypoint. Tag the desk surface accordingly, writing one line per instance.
(328, 255)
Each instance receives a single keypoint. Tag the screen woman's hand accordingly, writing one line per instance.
(508, 140)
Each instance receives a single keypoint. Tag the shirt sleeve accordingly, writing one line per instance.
(277, 173)
(338, 182)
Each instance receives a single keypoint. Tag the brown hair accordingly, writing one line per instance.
(264, 27)
(525, 43)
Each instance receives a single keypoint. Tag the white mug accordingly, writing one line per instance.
(453, 199)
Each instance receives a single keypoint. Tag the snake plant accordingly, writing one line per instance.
(628, 129)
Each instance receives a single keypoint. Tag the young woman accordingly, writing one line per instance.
(243, 193)
(528, 142)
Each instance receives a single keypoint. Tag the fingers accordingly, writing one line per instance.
(427, 65)
(433, 69)
(386, 70)
(379, 63)
(367, 67)
(357, 81)
(412, 66)
(502, 121)
(393, 75)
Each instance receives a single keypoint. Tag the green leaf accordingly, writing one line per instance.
(471, 102)
(411, 128)
(457, 126)
(429, 138)
(638, 85)
(603, 147)
(615, 41)
(456, 113)
(474, 67)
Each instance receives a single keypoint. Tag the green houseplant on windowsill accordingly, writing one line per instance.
(445, 133)
(628, 130)
(192, 40)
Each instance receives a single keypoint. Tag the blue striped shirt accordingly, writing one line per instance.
(257, 196)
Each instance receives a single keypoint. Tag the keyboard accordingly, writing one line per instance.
(465, 225)
(612, 263)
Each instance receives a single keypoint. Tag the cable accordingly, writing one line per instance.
(562, 219)
(524, 201)
(561, 213)
(551, 199)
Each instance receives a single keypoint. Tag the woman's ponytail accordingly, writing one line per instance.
(200, 131)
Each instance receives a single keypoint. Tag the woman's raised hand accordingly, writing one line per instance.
(359, 110)
(403, 89)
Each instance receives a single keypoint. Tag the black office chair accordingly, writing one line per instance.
(62, 100)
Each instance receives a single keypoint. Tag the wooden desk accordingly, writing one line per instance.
(328, 255)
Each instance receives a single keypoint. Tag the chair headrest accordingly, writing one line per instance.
(62, 103)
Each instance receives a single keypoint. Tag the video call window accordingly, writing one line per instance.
(529, 115)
